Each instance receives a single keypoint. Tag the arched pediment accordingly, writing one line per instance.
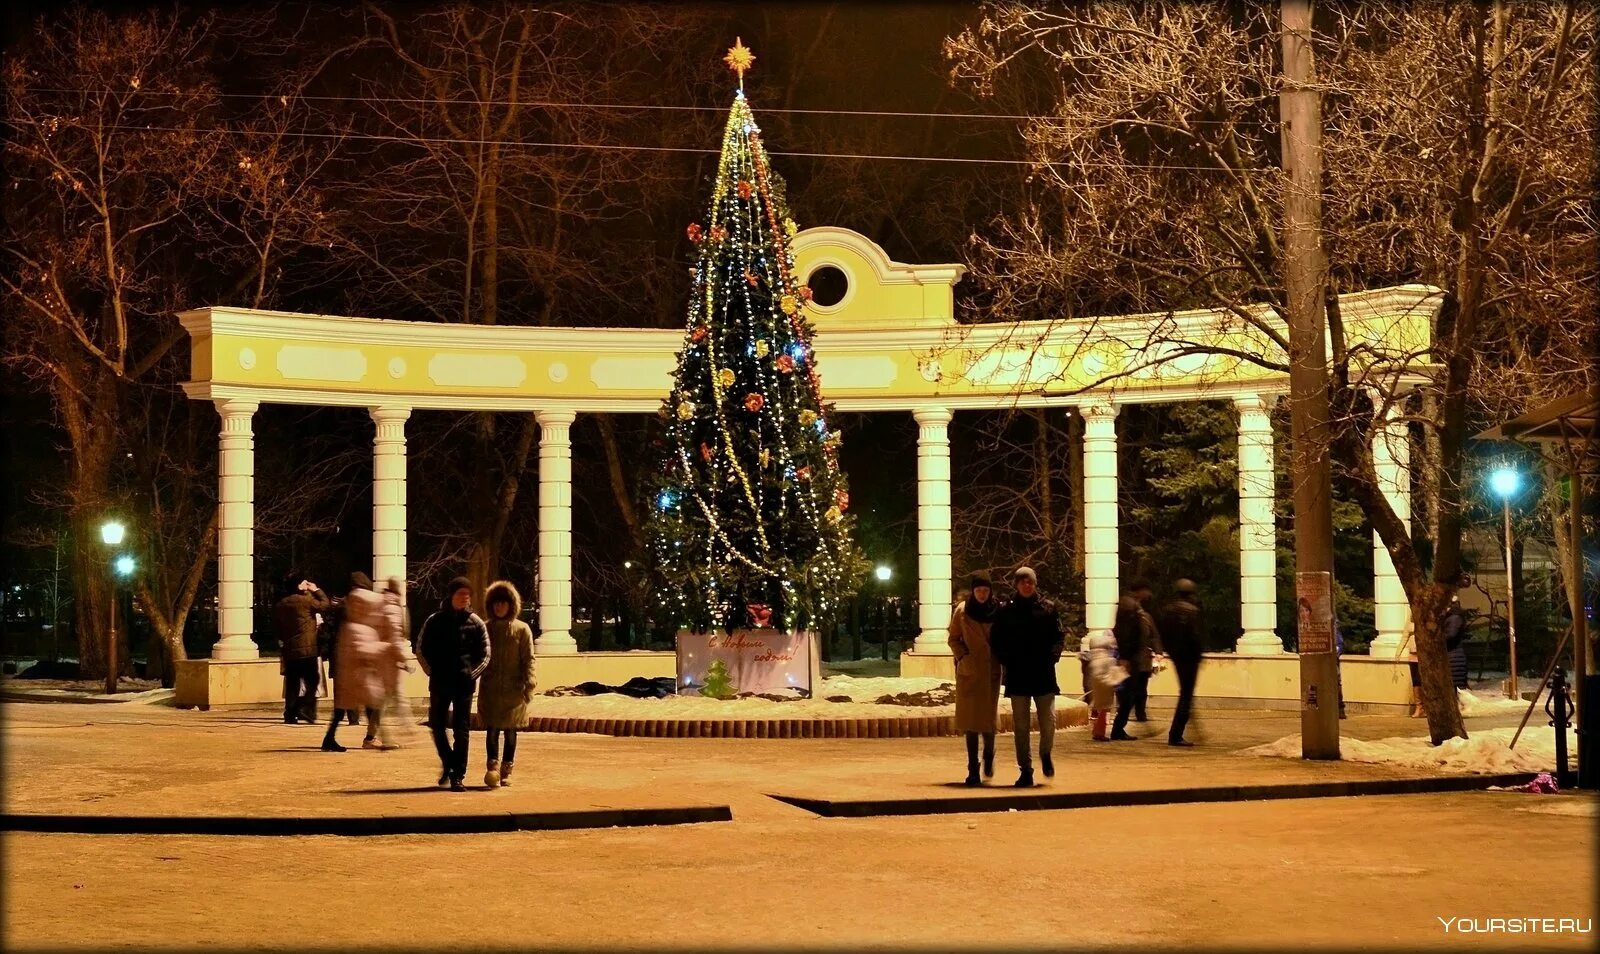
(878, 291)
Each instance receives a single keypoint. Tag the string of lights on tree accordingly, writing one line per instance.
(750, 505)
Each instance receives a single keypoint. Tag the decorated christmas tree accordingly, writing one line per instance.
(718, 684)
(750, 508)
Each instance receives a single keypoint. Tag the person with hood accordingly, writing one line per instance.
(1027, 639)
(362, 662)
(507, 685)
(1180, 636)
(1101, 678)
(1138, 641)
(294, 617)
(977, 674)
(453, 649)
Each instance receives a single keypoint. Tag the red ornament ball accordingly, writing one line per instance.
(785, 364)
(706, 451)
(754, 401)
(744, 189)
(694, 233)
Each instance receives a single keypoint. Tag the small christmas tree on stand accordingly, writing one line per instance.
(750, 517)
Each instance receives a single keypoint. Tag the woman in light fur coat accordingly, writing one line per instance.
(507, 685)
(1103, 676)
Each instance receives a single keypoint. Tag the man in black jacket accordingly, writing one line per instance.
(1180, 636)
(453, 649)
(1027, 640)
(294, 617)
(1137, 643)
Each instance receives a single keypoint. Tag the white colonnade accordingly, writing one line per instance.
(935, 549)
(236, 531)
(1258, 531)
(1391, 458)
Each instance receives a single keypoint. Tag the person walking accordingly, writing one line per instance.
(1101, 678)
(1179, 626)
(363, 651)
(294, 617)
(1454, 629)
(977, 674)
(1137, 643)
(453, 649)
(394, 715)
(1026, 638)
(507, 685)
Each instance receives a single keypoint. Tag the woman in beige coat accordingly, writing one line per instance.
(977, 674)
(507, 685)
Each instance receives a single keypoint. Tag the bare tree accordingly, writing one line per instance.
(1457, 152)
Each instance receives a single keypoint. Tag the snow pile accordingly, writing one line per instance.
(872, 688)
(1486, 752)
(1486, 704)
(614, 706)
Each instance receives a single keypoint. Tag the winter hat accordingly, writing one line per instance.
(979, 579)
(1185, 585)
(360, 580)
(459, 583)
(1024, 572)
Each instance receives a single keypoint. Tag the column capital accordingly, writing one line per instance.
(1101, 409)
(552, 416)
(932, 415)
(1260, 403)
(387, 413)
(236, 407)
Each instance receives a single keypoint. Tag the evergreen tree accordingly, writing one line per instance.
(718, 683)
(750, 505)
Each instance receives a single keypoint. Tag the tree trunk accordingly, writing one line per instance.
(1075, 478)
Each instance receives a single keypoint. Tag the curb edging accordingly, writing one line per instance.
(487, 823)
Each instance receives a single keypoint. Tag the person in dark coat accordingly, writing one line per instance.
(977, 674)
(294, 617)
(453, 648)
(1138, 641)
(1454, 629)
(1180, 626)
(1027, 640)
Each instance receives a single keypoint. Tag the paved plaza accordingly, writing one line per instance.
(1258, 874)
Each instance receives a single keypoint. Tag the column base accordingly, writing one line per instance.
(555, 644)
(236, 647)
(932, 642)
(1259, 644)
(1386, 645)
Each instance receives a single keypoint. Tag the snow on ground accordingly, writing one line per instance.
(1485, 702)
(862, 690)
(1486, 752)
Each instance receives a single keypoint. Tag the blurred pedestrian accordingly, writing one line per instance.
(395, 712)
(1180, 628)
(294, 617)
(1102, 676)
(362, 661)
(1137, 643)
(453, 648)
(507, 685)
(1454, 629)
(977, 674)
(1026, 638)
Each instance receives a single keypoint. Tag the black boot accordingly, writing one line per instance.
(1025, 780)
(988, 755)
(1048, 766)
(972, 759)
(329, 743)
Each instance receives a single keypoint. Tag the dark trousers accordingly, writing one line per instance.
(300, 678)
(451, 705)
(1130, 700)
(493, 739)
(1187, 671)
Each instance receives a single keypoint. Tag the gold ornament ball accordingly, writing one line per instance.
(725, 377)
(789, 304)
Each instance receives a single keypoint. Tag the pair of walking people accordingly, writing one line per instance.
(368, 659)
(1012, 646)
(1121, 662)
(457, 649)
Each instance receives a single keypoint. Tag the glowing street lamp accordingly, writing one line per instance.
(1505, 482)
(883, 573)
(112, 533)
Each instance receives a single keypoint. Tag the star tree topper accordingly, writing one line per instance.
(739, 59)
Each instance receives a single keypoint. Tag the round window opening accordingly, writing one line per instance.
(828, 286)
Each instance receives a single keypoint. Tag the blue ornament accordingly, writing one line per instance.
(797, 351)
(667, 499)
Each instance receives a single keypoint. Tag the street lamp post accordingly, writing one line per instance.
(1505, 482)
(883, 574)
(111, 534)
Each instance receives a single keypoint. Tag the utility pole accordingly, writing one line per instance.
(1305, 272)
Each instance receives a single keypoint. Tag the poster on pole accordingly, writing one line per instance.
(1314, 607)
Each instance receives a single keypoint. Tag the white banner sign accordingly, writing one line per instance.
(748, 660)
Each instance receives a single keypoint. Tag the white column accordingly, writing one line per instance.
(389, 494)
(934, 570)
(555, 533)
(1391, 458)
(1258, 537)
(236, 532)
(1100, 541)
